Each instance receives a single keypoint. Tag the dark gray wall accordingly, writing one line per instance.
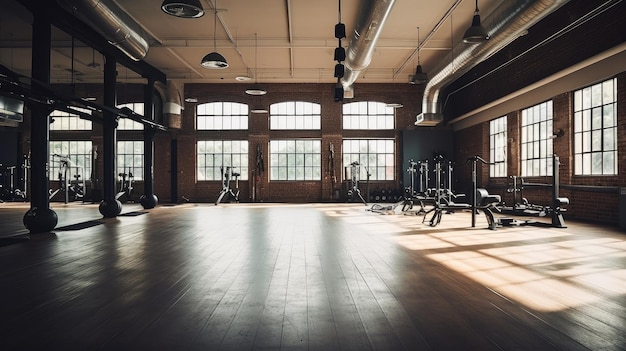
(422, 144)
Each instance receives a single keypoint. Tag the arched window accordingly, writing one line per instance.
(368, 115)
(129, 124)
(222, 116)
(67, 121)
(291, 115)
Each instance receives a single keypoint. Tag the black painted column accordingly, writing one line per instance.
(148, 199)
(109, 207)
(40, 217)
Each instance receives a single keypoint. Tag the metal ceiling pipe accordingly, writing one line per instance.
(372, 18)
(112, 22)
(506, 23)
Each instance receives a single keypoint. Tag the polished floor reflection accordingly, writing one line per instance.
(306, 276)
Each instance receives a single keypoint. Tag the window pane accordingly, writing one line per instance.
(375, 155)
(595, 141)
(222, 116)
(536, 139)
(369, 115)
(298, 115)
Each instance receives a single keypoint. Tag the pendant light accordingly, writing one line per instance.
(476, 33)
(255, 89)
(420, 77)
(183, 8)
(339, 56)
(214, 60)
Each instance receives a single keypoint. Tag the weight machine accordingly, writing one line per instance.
(11, 184)
(72, 189)
(352, 172)
(521, 206)
(227, 176)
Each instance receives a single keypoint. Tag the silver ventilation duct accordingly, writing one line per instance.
(371, 21)
(108, 19)
(506, 23)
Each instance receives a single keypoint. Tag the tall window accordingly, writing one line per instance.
(79, 155)
(537, 140)
(222, 116)
(67, 121)
(367, 115)
(129, 124)
(376, 156)
(215, 154)
(595, 129)
(295, 115)
(497, 147)
(298, 159)
(130, 158)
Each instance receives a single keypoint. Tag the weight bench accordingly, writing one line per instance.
(485, 203)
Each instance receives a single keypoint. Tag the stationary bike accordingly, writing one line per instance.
(227, 176)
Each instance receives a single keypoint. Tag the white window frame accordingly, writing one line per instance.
(375, 156)
(498, 147)
(130, 157)
(296, 160)
(212, 155)
(79, 153)
(222, 115)
(368, 115)
(127, 123)
(295, 115)
(65, 121)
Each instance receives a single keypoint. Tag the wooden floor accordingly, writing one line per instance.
(308, 276)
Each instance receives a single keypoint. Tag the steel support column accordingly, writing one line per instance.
(148, 199)
(40, 217)
(109, 207)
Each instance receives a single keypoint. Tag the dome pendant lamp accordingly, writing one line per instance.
(214, 60)
(476, 33)
(183, 8)
(420, 77)
(255, 89)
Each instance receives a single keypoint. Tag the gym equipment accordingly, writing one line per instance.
(481, 202)
(11, 182)
(353, 187)
(227, 176)
(256, 174)
(126, 186)
(331, 168)
(522, 207)
(73, 190)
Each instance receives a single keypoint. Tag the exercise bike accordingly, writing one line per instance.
(227, 175)
(126, 186)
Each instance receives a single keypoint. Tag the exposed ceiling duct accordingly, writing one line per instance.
(506, 23)
(360, 50)
(108, 19)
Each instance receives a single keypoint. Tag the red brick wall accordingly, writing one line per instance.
(592, 198)
(259, 133)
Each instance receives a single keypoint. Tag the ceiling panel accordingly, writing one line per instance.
(295, 39)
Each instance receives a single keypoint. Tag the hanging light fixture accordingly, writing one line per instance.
(420, 77)
(339, 56)
(255, 89)
(183, 8)
(476, 33)
(214, 60)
